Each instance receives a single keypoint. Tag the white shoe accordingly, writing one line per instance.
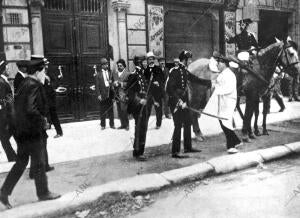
(232, 151)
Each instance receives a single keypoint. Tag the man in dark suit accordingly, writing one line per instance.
(30, 134)
(50, 85)
(156, 87)
(6, 101)
(138, 90)
(178, 101)
(105, 93)
(165, 71)
(21, 74)
(120, 78)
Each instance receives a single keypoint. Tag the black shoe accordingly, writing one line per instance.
(4, 201)
(192, 150)
(112, 127)
(297, 99)
(49, 196)
(121, 127)
(49, 168)
(127, 128)
(282, 109)
(57, 136)
(251, 136)
(31, 175)
(102, 127)
(168, 116)
(179, 156)
(140, 158)
(290, 99)
(157, 127)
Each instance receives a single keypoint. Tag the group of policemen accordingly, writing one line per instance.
(23, 115)
(146, 87)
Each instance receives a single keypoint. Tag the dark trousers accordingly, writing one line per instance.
(181, 118)
(165, 105)
(293, 86)
(231, 138)
(140, 133)
(106, 110)
(123, 115)
(54, 120)
(158, 111)
(34, 149)
(4, 138)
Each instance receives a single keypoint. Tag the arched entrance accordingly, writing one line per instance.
(75, 37)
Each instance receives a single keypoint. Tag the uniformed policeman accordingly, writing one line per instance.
(178, 102)
(245, 41)
(138, 90)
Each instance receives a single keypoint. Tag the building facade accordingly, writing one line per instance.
(75, 34)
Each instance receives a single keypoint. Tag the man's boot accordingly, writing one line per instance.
(280, 102)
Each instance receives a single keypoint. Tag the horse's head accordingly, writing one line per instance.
(288, 57)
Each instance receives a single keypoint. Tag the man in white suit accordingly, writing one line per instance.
(223, 102)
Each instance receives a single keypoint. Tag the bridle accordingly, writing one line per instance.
(285, 67)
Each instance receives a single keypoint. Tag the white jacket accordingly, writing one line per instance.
(223, 100)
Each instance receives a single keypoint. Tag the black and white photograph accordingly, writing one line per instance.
(149, 109)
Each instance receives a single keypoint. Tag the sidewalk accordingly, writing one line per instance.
(100, 168)
(85, 139)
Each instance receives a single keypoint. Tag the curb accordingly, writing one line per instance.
(146, 183)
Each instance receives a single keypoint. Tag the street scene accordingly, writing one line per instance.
(149, 108)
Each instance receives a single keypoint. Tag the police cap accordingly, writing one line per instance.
(35, 65)
(185, 55)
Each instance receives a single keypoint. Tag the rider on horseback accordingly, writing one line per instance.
(245, 41)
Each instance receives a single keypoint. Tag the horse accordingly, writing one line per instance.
(256, 85)
(199, 94)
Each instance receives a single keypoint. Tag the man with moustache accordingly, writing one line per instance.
(120, 78)
(156, 87)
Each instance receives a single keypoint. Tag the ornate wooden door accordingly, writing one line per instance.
(75, 38)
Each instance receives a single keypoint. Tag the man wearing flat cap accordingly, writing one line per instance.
(105, 93)
(245, 40)
(6, 101)
(30, 134)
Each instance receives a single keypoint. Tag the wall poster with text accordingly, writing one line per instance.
(229, 22)
(156, 29)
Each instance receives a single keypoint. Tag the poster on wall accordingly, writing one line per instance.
(229, 20)
(156, 29)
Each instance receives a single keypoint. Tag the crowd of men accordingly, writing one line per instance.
(26, 110)
(24, 115)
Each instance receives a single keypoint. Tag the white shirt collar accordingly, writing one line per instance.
(22, 73)
(5, 78)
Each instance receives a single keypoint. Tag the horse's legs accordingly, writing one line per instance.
(246, 130)
(196, 128)
(238, 107)
(267, 105)
(256, 114)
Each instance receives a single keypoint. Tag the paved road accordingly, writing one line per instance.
(271, 191)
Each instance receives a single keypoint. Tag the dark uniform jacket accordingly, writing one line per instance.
(136, 88)
(177, 85)
(30, 110)
(158, 76)
(106, 92)
(6, 100)
(52, 85)
(244, 41)
(18, 80)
